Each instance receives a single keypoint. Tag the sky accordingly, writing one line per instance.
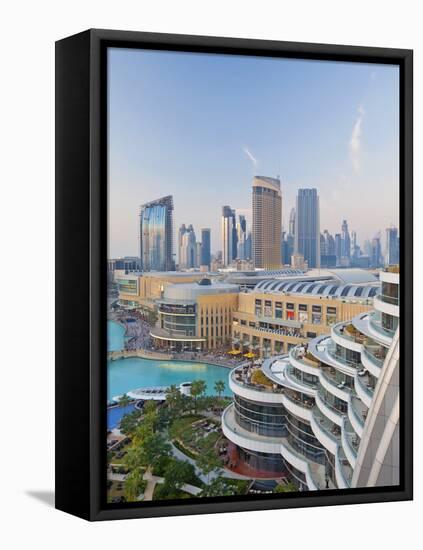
(199, 126)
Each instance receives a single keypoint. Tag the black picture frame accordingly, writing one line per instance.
(81, 218)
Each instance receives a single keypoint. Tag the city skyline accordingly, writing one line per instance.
(232, 132)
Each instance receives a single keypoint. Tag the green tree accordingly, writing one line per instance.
(208, 462)
(218, 487)
(134, 484)
(219, 387)
(129, 422)
(288, 488)
(198, 388)
(124, 401)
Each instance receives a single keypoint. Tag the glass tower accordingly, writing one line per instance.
(205, 247)
(156, 235)
(307, 226)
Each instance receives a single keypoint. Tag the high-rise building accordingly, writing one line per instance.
(249, 246)
(229, 236)
(392, 246)
(338, 248)
(327, 250)
(267, 222)
(307, 226)
(188, 248)
(241, 230)
(376, 255)
(156, 235)
(205, 247)
(346, 241)
(181, 232)
(292, 222)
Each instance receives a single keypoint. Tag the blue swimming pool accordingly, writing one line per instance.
(124, 375)
(115, 414)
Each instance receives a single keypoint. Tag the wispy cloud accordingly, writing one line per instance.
(253, 159)
(355, 141)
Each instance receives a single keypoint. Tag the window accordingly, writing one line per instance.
(302, 307)
(268, 308)
(316, 309)
(331, 310)
(278, 310)
(290, 306)
(316, 318)
(311, 334)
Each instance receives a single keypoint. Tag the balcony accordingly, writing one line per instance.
(369, 323)
(380, 304)
(323, 349)
(357, 414)
(301, 408)
(329, 410)
(326, 432)
(364, 388)
(343, 470)
(350, 445)
(241, 383)
(334, 382)
(291, 374)
(347, 336)
(245, 439)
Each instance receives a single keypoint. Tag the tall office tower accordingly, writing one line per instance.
(198, 254)
(241, 230)
(392, 246)
(249, 246)
(205, 247)
(188, 249)
(267, 222)
(229, 237)
(376, 255)
(346, 241)
(287, 249)
(327, 250)
(156, 235)
(338, 248)
(292, 222)
(181, 232)
(307, 226)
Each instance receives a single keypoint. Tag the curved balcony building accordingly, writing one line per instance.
(340, 393)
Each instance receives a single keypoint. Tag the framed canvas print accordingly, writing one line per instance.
(230, 279)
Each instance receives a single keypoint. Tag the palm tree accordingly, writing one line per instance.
(219, 387)
(198, 387)
(124, 401)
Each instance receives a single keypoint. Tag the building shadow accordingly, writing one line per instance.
(46, 497)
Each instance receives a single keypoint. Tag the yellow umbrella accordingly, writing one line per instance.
(234, 352)
(249, 355)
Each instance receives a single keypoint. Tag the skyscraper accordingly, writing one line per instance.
(292, 222)
(205, 247)
(376, 256)
(392, 246)
(327, 250)
(188, 248)
(267, 222)
(229, 236)
(307, 226)
(241, 229)
(156, 235)
(346, 241)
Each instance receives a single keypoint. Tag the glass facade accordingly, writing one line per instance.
(263, 419)
(156, 235)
